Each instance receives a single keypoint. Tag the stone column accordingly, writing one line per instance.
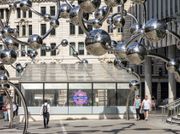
(171, 79)
(148, 77)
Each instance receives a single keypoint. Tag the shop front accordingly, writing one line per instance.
(77, 89)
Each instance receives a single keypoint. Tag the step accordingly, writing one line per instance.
(178, 115)
(177, 122)
(176, 118)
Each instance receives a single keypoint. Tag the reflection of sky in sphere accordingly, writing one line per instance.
(80, 97)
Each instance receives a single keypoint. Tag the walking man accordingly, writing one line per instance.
(45, 110)
(146, 105)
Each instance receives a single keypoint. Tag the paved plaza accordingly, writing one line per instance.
(155, 125)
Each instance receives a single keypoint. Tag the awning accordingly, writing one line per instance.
(74, 73)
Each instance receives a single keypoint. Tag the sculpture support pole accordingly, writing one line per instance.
(127, 104)
(24, 106)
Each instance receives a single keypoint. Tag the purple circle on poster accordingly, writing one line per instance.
(80, 97)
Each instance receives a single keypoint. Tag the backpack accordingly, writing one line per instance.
(45, 109)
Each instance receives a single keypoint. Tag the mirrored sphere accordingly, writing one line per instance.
(155, 30)
(134, 85)
(54, 23)
(75, 54)
(64, 42)
(113, 3)
(109, 20)
(138, 1)
(10, 43)
(35, 41)
(19, 68)
(84, 61)
(120, 51)
(8, 56)
(97, 23)
(6, 31)
(134, 28)
(64, 10)
(25, 4)
(74, 15)
(101, 12)
(89, 6)
(48, 48)
(118, 21)
(47, 17)
(97, 42)
(3, 79)
(136, 53)
(32, 53)
(171, 66)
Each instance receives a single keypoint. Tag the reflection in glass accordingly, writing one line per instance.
(56, 97)
(34, 97)
(122, 97)
(105, 97)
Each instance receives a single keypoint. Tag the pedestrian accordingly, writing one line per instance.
(153, 103)
(146, 106)
(45, 111)
(137, 105)
(5, 111)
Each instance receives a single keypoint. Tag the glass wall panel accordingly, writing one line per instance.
(80, 94)
(33, 94)
(56, 94)
(104, 94)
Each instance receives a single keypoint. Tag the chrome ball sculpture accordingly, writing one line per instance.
(113, 3)
(97, 42)
(35, 41)
(89, 6)
(3, 78)
(64, 42)
(54, 23)
(101, 12)
(118, 21)
(172, 66)
(64, 11)
(7, 31)
(10, 43)
(135, 28)
(134, 85)
(97, 23)
(136, 53)
(8, 56)
(138, 1)
(155, 30)
(25, 4)
(120, 51)
(73, 15)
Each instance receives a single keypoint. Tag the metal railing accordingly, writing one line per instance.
(171, 109)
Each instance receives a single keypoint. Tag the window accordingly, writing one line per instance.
(81, 48)
(43, 29)
(23, 50)
(30, 29)
(18, 13)
(71, 47)
(53, 46)
(104, 94)
(2, 13)
(43, 10)
(120, 30)
(23, 30)
(30, 14)
(24, 14)
(80, 30)
(56, 93)
(43, 50)
(118, 8)
(110, 29)
(52, 10)
(53, 32)
(17, 27)
(72, 29)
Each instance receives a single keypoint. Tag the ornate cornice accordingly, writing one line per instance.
(3, 2)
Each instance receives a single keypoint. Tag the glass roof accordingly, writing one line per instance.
(74, 73)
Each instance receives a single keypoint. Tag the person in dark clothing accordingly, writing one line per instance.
(45, 111)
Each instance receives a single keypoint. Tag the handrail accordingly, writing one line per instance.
(171, 109)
